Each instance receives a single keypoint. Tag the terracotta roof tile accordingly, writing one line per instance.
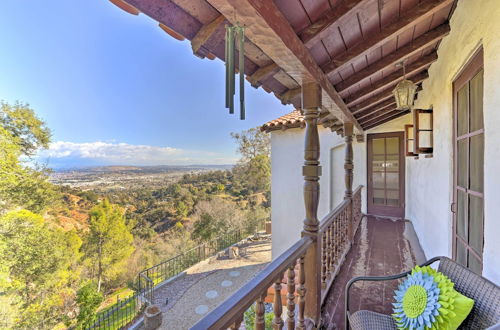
(293, 119)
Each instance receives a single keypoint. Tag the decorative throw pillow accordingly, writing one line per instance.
(427, 300)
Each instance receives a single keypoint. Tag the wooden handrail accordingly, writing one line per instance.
(235, 306)
(339, 208)
(327, 219)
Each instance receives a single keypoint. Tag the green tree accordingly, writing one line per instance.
(36, 268)
(21, 135)
(252, 143)
(182, 209)
(109, 242)
(253, 171)
(88, 300)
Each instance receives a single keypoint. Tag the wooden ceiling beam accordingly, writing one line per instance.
(383, 96)
(417, 45)
(388, 117)
(289, 95)
(390, 102)
(269, 30)
(262, 73)
(392, 79)
(377, 114)
(205, 33)
(412, 17)
(322, 27)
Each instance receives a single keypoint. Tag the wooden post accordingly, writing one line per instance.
(311, 104)
(349, 166)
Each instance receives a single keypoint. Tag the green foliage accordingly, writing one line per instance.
(215, 217)
(88, 300)
(252, 143)
(253, 172)
(26, 129)
(254, 175)
(36, 265)
(21, 135)
(249, 318)
(109, 242)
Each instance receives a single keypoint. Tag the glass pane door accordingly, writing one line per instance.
(468, 167)
(385, 180)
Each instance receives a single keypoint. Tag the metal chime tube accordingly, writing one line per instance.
(231, 69)
(226, 58)
(241, 66)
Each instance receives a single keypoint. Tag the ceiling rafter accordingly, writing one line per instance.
(262, 73)
(412, 48)
(412, 17)
(388, 117)
(387, 94)
(322, 27)
(417, 67)
(205, 33)
(377, 114)
(270, 31)
(390, 102)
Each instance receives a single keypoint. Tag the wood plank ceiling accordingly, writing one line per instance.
(356, 43)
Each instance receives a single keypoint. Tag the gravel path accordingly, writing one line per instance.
(207, 284)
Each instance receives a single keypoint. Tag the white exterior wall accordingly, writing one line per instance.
(287, 159)
(429, 181)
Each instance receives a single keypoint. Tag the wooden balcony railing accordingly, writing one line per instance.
(287, 272)
(337, 231)
(231, 312)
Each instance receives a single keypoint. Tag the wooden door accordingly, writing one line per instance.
(468, 194)
(386, 179)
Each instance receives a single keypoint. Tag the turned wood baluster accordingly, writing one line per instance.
(324, 251)
(291, 297)
(302, 294)
(329, 251)
(236, 325)
(260, 312)
(278, 305)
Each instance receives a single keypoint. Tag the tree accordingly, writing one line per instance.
(215, 217)
(109, 242)
(36, 268)
(88, 299)
(29, 131)
(21, 135)
(182, 209)
(253, 171)
(252, 143)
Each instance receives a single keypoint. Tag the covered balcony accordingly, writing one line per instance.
(409, 187)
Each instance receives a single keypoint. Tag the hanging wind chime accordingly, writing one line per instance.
(235, 34)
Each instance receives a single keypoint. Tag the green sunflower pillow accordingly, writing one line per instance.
(426, 299)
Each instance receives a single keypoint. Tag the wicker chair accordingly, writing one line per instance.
(486, 295)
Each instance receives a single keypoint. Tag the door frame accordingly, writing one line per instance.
(472, 67)
(374, 210)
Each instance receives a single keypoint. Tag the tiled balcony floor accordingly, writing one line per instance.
(381, 247)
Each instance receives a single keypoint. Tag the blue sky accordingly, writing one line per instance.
(116, 89)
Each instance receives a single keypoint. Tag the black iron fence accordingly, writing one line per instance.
(124, 311)
(120, 314)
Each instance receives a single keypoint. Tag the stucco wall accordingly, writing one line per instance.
(429, 180)
(287, 159)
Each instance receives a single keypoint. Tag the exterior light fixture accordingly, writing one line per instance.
(404, 92)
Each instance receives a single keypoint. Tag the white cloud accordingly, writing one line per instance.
(129, 154)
